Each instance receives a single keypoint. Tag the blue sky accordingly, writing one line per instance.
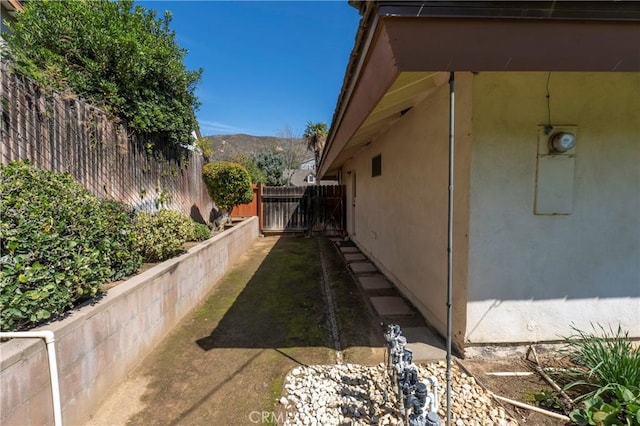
(267, 64)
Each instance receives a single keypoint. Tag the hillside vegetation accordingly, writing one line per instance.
(230, 147)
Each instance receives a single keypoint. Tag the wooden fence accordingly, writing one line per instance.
(65, 134)
(303, 209)
(249, 209)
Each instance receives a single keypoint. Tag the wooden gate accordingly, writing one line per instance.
(303, 208)
(249, 209)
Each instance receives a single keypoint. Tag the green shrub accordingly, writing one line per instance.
(201, 232)
(58, 242)
(124, 262)
(623, 408)
(118, 54)
(161, 236)
(609, 369)
(604, 358)
(228, 184)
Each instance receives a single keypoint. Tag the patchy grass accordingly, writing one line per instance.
(228, 359)
(360, 336)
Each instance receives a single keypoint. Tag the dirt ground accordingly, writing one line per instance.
(519, 388)
(522, 388)
(225, 363)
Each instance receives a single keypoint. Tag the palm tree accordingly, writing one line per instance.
(315, 134)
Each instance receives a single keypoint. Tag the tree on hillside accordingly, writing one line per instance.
(315, 134)
(249, 163)
(114, 54)
(272, 164)
(293, 151)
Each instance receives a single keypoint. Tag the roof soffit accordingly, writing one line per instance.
(419, 47)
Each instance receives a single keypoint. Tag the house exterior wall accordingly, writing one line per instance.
(400, 217)
(532, 276)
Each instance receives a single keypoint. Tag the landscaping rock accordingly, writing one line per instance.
(362, 395)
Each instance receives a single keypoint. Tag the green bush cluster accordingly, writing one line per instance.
(228, 184)
(115, 53)
(620, 407)
(58, 243)
(201, 232)
(161, 236)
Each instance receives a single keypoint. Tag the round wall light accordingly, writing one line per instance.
(562, 142)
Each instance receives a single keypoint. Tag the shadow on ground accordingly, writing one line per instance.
(282, 305)
(227, 360)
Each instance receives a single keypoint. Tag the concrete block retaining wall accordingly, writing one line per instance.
(98, 345)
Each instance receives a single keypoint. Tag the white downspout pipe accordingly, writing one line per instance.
(49, 339)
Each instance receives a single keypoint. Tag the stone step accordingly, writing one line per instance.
(349, 249)
(363, 268)
(391, 306)
(374, 282)
(355, 257)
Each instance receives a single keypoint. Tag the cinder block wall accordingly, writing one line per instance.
(98, 345)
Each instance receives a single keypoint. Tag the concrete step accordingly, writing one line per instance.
(426, 345)
(374, 282)
(354, 257)
(391, 306)
(363, 268)
(349, 249)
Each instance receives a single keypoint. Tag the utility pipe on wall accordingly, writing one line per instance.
(49, 339)
(452, 98)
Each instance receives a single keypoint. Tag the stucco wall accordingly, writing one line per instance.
(98, 345)
(401, 216)
(532, 276)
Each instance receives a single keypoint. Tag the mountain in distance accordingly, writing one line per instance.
(229, 147)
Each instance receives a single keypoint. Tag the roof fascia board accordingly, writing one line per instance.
(547, 10)
(452, 44)
(366, 31)
(376, 74)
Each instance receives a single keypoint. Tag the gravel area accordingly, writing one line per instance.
(350, 394)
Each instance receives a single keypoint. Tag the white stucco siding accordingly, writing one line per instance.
(401, 216)
(532, 276)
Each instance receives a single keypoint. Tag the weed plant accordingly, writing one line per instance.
(604, 359)
(608, 367)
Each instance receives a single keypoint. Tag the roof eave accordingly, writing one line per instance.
(386, 46)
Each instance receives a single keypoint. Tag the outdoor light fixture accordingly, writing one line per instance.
(562, 142)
